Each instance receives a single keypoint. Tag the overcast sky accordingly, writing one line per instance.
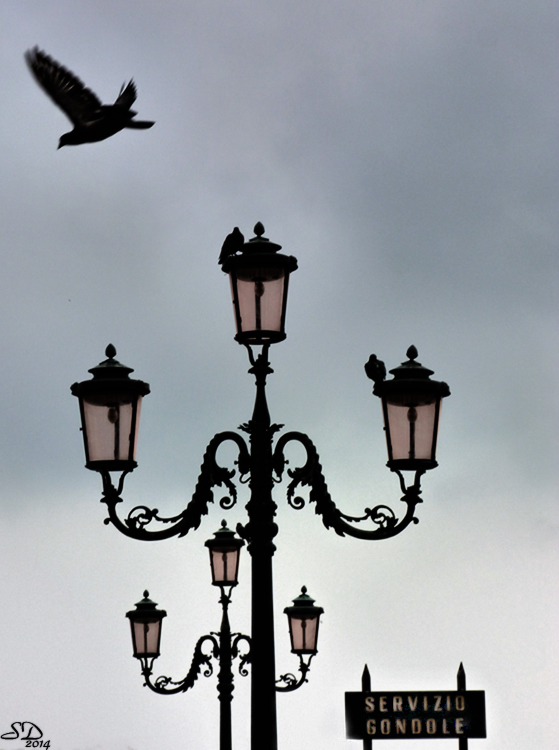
(406, 153)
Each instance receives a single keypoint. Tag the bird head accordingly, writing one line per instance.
(69, 139)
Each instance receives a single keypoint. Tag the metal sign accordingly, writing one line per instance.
(411, 714)
(415, 715)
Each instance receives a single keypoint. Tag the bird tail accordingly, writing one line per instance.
(139, 124)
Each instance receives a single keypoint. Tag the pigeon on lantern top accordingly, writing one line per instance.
(233, 244)
(375, 369)
(92, 120)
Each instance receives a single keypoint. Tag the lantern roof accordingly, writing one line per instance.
(261, 249)
(145, 607)
(410, 368)
(225, 537)
(303, 605)
(111, 367)
(411, 373)
(259, 243)
(110, 370)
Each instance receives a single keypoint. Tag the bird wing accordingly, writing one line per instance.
(127, 96)
(64, 88)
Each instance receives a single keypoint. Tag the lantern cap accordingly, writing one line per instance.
(111, 367)
(224, 536)
(408, 373)
(260, 249)
(110, 370)
(259, 243)
(303, 606)
(410, 368)
(146, 607)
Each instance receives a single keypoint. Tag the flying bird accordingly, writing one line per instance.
(233, 243)
(92, 120)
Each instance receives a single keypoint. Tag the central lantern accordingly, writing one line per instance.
(224, 556)
(259, 278)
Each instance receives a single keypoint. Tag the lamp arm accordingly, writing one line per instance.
(244, 656)
(310, 474)
(211, 475)
(292, 682)
(161, 684)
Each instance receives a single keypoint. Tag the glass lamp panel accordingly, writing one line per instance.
(260, 297)
(411, 430)
(145, 636)
(108, 428)
(224, 565)
(303, 634)
(136, 427)
(426, 431)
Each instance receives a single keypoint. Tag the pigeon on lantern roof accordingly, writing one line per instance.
(231, 245)
(375, 369)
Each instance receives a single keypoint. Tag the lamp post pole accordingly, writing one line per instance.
(260, 532)
(110, 408)
(225, 677)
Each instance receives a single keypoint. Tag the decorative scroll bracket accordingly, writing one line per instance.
(310, 474)
(291, 681)
(167, 686)
(211, 475)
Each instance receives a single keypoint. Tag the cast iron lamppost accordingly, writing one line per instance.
(110, 407)
(146, 619)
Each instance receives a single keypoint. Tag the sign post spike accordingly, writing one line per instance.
(461, 687)
(366, 688)
(366, 680)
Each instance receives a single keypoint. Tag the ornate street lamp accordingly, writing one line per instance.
(259, 279)
(145, 624)
(303, 619)
(224, 646)
(110, 411)
(224, 556)
(411, 401)
(411, 406)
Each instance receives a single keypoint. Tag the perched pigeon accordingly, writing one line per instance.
(92, 120)
(232, 244)
(375, 369)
